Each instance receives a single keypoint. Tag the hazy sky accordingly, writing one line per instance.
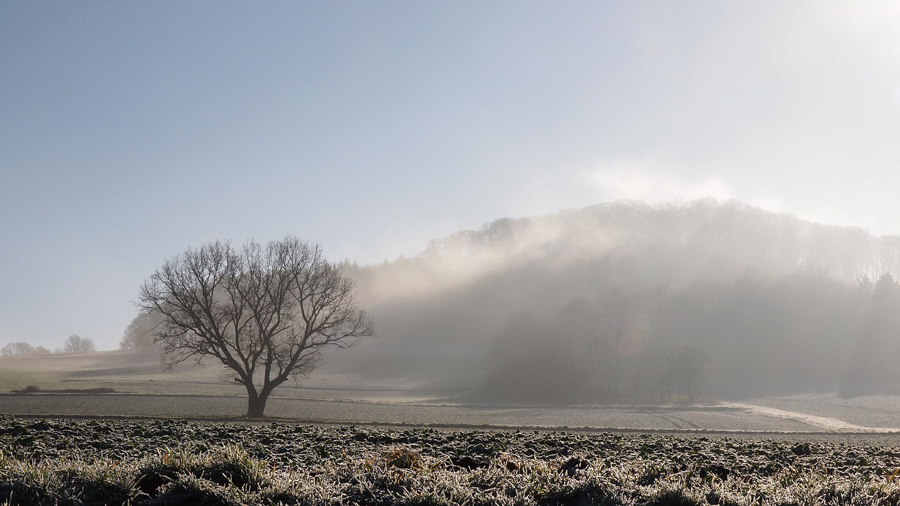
(130, 131)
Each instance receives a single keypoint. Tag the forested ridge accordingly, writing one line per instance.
(628, 302)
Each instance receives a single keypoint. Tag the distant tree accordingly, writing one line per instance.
(685, 369)
(77, 344)
(264, 313)
(17, 349)
(140, 332)
(533, 361)
(40, 350)
(876, 348)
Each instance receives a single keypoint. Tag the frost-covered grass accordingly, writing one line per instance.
(177, 462)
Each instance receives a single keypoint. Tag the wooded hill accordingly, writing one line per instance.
(629, 302)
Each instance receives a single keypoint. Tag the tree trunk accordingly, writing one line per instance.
(256, 403)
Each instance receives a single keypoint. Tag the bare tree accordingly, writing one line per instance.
(78, 344)
(17, 349)
(20, 348)
(265, 313)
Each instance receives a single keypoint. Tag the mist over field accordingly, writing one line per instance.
(635, 303)
(440, 253)
(601, 214)
(618, 304)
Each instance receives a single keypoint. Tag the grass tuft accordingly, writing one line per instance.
(172, 462)
(403, 458)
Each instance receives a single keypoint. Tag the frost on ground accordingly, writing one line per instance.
(177, 462)
(825, 423)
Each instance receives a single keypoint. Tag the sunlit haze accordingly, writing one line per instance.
(130, 132)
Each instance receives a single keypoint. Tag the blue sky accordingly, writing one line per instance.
(132, 131)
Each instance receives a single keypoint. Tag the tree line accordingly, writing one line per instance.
(748, 337)
(72, 345)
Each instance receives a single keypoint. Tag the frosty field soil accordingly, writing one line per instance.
(765, 415)
(177, 462)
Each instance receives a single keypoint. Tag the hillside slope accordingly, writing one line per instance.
(629, 302)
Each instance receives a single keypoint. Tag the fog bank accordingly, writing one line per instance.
(629, 302)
